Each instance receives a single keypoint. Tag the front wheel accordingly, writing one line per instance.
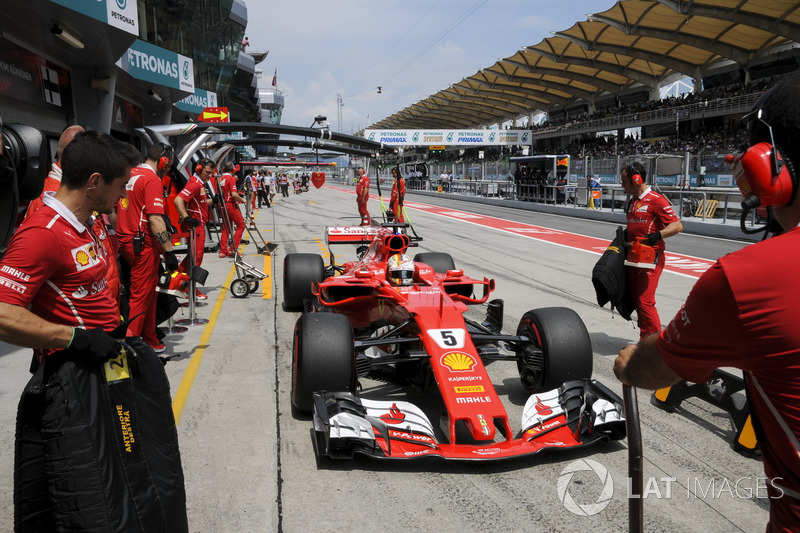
(323, 357)
(558, 350)
(239, 288)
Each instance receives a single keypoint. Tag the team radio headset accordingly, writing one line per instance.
(764, 177)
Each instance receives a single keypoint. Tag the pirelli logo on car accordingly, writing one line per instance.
(471, 388)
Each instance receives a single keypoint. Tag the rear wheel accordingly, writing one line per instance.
(323, 357)
(299, 272)
(440, 262)
(252, 282)
(559, 349)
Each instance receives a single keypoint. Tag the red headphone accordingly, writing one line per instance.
(165, 157)
(634, 176)
(761, 171)
(202, 164)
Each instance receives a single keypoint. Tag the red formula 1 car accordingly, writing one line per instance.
(404, 321)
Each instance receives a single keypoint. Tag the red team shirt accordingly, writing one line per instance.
(650, 213)
(194, 194)
(145, 196)
(227, 185)
(738, 316)
(56, 268)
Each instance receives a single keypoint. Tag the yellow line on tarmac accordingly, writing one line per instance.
(185, 387)
(266, 286)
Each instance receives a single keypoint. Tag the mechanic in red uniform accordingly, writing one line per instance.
(143, 235)
(192, 206)
(744, 311)
(231, 198)
(398, 195)
(362, 195)
(53, 289)
(53, 179)
(649, 215)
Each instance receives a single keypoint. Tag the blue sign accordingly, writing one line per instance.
(148, 62)
(122, 14)
(197, 102)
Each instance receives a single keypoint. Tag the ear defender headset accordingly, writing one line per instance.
(764, 177)
(165, 157)
(199, 166)
(634, 176)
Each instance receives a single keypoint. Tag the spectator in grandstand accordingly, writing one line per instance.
(650, 216)
(743, 312)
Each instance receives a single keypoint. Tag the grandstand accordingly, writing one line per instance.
(599, 84)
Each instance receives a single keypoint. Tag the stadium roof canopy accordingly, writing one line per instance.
(642, 44)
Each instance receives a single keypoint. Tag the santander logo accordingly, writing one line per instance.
(542, 408)
(394, 416)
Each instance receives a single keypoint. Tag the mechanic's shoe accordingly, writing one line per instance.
(224, 254)
(200, 296)
(158, 348)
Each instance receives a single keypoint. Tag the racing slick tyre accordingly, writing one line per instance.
(299, 271)
(323, 357)
(440, 262)
(240, 288)
(559, 349)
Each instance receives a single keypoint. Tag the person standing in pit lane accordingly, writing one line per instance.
(362, 196)
(743, 312)
(649, 215)
(53, 288)
(192, 206)
(231, 198)
(398, 196)
(143, 236)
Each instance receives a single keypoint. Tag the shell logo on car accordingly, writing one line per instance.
(458, 361)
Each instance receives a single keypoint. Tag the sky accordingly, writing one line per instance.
(412, 49)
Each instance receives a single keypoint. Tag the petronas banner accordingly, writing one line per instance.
(449, 137)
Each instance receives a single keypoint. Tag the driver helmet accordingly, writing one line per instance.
(400, 270)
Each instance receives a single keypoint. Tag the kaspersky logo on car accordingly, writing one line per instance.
(458, 362)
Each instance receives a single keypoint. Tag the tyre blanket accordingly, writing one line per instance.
(97, 448)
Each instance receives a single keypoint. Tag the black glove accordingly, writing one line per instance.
(171, 260)
(193, 222)
(95, 344)
(652, 238)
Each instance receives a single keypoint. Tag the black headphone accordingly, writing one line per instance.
(165, 157)
(763, 175)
